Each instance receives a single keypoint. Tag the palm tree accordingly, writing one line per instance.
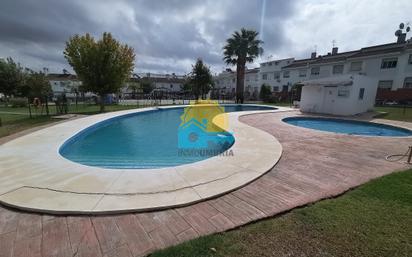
(242, 47)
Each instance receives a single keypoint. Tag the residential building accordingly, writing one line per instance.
(347, 94)
(64, 83)
(225, 83)
(389, 64)
(165, 82)
(270, 74)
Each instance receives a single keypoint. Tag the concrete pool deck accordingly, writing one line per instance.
(35, 177)
(314, 165)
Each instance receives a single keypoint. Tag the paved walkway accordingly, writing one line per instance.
(314, 165)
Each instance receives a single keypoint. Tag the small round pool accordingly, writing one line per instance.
(350, 127)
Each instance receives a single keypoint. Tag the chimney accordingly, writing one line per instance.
(313, 55)
(334, 50)
(401, 38)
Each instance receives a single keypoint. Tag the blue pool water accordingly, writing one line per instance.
(141, 140)
(350, 127)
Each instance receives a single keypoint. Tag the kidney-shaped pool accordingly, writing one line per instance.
(350, 127)
(142, 140)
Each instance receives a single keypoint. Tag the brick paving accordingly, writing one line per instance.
(314, 165)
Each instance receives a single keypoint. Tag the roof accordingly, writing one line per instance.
(343, 80)
(279, 60)
(255, 70)
(340, 57)
(380, 49)
(165, 80)
(61, 76)
(299, 63)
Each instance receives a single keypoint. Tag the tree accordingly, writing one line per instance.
(102, 66)
(201, 80)
(186, 87)
(11, 77)
(243, 47)
(265, 93)
(38, 86)
(146, 85)
(135, 87)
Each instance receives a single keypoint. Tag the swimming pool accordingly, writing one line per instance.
(350, 127)
(142, 140)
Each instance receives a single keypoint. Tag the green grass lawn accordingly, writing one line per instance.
(18, 119)
(12, 123)
(372, 220)
(396, 113)
(80, 108)
(284, 104)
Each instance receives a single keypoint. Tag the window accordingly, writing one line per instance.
(302, 73)
(264, 76)
(407, 83)
(356, 66)
(276, 75)
(270, 64)
(285, 88)
(343, 92)
(337, 69)
(410, 59)
(361, 93)
(385, 84)
(286, 74)
(389, 63)
(275, 89)
(233, 80)
(247, 78)
(263, 64)
(315, 71)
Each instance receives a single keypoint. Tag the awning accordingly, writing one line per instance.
(330, 81)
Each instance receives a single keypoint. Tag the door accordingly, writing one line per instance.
(329, 98)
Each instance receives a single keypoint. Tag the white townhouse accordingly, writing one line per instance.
(165, 82)
(252, 86)
(270, 74)
(225, 82)
(66, 84)
(389, 64)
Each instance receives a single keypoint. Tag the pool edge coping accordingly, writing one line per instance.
(9, 198)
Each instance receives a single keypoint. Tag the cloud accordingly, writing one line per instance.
(353, 24)
(168, 36)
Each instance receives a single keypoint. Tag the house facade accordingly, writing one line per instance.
(389, 64)
(270, 74)
(67, 84)
(166, 82)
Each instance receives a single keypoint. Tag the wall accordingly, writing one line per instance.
(316, 99)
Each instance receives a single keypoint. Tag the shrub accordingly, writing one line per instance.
(18, 102)
(265, 93)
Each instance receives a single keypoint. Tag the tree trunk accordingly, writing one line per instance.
(240, 82)
(102, 103)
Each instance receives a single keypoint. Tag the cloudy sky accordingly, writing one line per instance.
(169, 35)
